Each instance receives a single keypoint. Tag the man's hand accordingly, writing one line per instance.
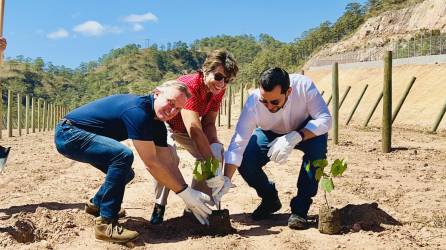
(195, 201)
(281, 147)
(220, 185)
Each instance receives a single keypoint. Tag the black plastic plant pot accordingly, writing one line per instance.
(220, 223)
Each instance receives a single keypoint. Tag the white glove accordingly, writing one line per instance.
(220, 185)
(281, 147)
(195, 201)
(218, 151)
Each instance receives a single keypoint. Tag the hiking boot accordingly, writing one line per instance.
(157, 214)
(112, 231)
(297, 222)
(91, 208)
(266, 208)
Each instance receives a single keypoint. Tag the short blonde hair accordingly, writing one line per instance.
(176, 85)
(221, 58)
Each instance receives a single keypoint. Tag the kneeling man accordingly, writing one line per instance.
(285, 113)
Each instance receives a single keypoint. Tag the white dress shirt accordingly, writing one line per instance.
(304, 101)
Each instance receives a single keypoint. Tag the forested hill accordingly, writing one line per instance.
(137, 70)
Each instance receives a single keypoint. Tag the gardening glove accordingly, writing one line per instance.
(195, 202)
(220, 185)
(218, 151)
(281, 147)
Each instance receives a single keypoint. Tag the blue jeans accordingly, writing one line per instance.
(255, 157)
(106, 154)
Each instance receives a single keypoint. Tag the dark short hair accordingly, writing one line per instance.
(272, 77)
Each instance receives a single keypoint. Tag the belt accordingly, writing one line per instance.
(65, 121)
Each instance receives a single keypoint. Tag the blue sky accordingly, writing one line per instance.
(70, 32)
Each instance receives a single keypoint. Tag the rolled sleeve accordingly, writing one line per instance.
(243, 131)
(318, 110)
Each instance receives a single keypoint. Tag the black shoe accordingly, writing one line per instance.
(157, 214)
(297, 222)
(266, 208)
(4, 152)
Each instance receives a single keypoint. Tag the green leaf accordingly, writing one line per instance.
(318, 174)
(307, 167)
(338, 167)
(198, 171)
(322, 163)
(327, 184)
(214, 167)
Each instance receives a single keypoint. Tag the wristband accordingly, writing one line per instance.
(182, 189)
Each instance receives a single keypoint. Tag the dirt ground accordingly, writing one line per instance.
(43, 193)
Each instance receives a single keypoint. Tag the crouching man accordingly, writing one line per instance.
(285, 113)
(92, 134)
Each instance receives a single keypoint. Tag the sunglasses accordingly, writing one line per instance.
(219, 76)
(273, 102)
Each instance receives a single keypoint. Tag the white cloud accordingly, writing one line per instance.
(90, 28)
(137, 27)
(135, 18)
(58, 34)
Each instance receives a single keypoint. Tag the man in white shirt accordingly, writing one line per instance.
(285, 113)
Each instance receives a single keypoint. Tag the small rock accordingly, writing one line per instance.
(53, 220)
(425, 164)
(356, 227)
(45, 244)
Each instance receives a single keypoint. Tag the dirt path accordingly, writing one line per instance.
(44, 190)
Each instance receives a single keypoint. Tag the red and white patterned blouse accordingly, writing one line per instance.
(201, 101)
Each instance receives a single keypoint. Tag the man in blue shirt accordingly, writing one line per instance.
(92, 134)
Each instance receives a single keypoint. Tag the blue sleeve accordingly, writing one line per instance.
(138, 124)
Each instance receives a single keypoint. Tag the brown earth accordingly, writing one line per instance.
(43, 193)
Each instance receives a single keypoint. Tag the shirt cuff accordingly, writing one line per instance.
(313, 128)
(233, 158)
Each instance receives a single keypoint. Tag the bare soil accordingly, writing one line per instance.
(395, 200)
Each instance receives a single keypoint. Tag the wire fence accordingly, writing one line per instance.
(420, 45)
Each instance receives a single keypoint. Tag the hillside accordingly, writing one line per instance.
(381, 31)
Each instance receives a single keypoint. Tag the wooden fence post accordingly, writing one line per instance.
(335, 111)
(344, 96)
(48, 116)
(439, 118)
(27, 114)
(38, 115)
(19, 114)
(9, 115)
(357, 104)
(403, 98)
(387, 104)
(241, 97)
(229, 107)
(373, 110)
(33, 125)
(44, 115)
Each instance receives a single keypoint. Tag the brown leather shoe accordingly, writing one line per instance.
(112, 231)
(91, 208)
